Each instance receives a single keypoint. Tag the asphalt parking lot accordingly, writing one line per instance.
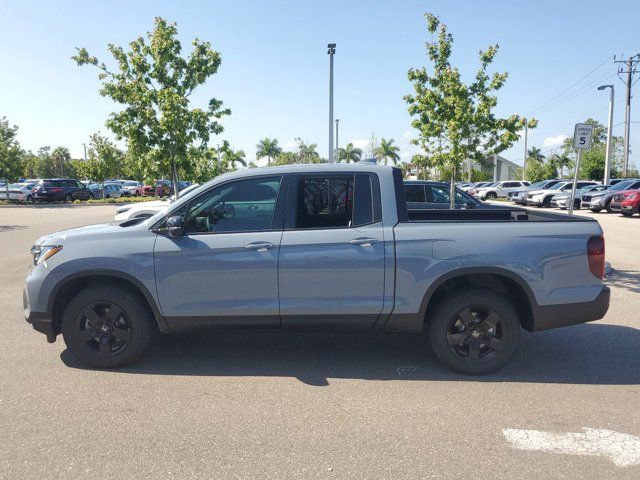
(312, 406)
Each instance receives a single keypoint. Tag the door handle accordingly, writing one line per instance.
(252, 207)
(364, 241)
(259, 246)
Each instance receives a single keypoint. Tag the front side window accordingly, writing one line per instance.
(241, 206)
(324, 202)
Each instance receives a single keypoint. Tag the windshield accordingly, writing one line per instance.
(184, 192)
(130, 183)
(622, 185)
(558, 186)
(538, 184)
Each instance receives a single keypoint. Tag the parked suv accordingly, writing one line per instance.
(500, 189)
(542, 197)
(563, 200)
(435, 195)
(60, 189)
(602, 200)
(626, 202)
(520, 197)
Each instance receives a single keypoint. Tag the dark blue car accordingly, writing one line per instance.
(60, 189)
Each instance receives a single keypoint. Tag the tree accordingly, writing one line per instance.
(154, 83)
(454, 120)
(231, 157)
(59, 158)
(535, 153)
(10, 152)
(267, 147)
(44, 164)
(388, 151)
(349, 153)
(104, 160)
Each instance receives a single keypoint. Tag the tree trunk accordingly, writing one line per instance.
(174, 178)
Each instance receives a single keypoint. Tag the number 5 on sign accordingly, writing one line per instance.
(582, 136)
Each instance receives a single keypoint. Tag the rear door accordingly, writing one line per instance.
(332, 258)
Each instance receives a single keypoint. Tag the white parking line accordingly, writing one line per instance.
(621, 448)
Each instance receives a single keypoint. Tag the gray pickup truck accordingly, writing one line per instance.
(317, 248)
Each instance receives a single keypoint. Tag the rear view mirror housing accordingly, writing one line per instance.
(175, 226)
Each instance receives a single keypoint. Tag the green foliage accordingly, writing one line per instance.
(349, 153)
(105, 160)
(60, 157)
(154, 84)
(268, 147)
(454, 120)
(10, 151)
(305, 153)
(388, 151)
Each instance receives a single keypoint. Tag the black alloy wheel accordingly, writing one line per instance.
(105, 328)
(475, 334)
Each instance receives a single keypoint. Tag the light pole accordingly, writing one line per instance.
(607, 161)
(331, 50)
(85, 151)
(335, 156)
(524, 160)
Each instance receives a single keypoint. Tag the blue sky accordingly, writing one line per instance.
(274, 73)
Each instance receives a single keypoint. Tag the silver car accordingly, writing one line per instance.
(562, 200)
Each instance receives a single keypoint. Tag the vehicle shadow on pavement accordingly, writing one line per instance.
(627, 279)
(594, 353)
(6, 228)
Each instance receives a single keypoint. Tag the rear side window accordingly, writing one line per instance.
(324, 202)
(415, 193)
(49, 184)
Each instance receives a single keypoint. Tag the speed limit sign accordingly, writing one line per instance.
(582, 136)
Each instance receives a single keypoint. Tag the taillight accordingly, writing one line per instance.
(595, 251)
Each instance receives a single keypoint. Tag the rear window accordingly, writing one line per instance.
(415, 193)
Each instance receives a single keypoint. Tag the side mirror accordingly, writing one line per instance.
(175, 226)
(471, 205)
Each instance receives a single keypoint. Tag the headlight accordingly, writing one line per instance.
(123, 209)
(633, 196)
(43, 252)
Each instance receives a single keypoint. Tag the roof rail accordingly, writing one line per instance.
(369, 160)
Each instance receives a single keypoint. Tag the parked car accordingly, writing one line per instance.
(112, 190)
(563, 200)
(148, 190)
(626, 202)
(500, 189)
(423, 194)
(59, 189)
(164, 188)
(131, 188)
(475, 185)
(602, 200)
(542, 197)
(148, 209)
(17, 192)
(336, 251)
(520, 197)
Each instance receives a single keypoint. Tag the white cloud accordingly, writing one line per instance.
(553, 142)
(360, 142)
(407, 134)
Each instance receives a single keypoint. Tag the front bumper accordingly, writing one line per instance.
(562, 315)
(534, 202)
(40, 321)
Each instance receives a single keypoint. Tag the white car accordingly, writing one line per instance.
(500, 189)
(18, 192)
(131, 187)
(148, 209)
(542, 198)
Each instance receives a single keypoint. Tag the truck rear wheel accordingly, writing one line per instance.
(474, 332)
(106, 326)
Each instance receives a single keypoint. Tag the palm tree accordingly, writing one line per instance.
(349, 154)
(388, 151)
(231, 157)
(535, 153)
(268, 147)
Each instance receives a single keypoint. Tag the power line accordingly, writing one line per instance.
(569, 87)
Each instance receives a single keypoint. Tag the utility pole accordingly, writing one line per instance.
(331, 50)
(631, 65)
(524, 159)
(85, 151)
(335, 159)
(607, 161)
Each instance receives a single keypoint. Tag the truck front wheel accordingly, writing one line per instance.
(105, 326)
(473, 332)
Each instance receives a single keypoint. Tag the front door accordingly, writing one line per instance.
(332, 255)
(223, 272)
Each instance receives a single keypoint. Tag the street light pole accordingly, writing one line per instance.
(85, 151)
(607, 161)
(524, 160)
(331, 50)
(335, 159)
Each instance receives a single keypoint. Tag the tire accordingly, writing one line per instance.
(608, 207)
(100, 339)
(67, 198)
(595, 210)
(466, 316)
(29, 199)
(91, 197)
(491, 196)
(627, 214)
(546, 203)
